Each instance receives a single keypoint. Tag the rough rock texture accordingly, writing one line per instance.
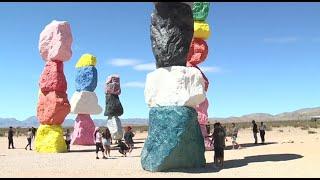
(86, 78)
(52, 77)
(171, 33)
(115, 128)
(86, 60)
(174, 86)
(201, 30)
(83, 130)
(198, 52)
(207, 141)
(113, 106)
(55, 41)
(49, 139)
(174, 140)
(53, 107)
(206, 81)
(200, 10)
(85, 102)
(202, 110)
(113, 85)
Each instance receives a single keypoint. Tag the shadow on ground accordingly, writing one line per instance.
(247, 145)
(241, 162)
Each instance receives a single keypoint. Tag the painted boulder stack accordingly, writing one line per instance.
(172, 93)
(53, 105)
(197, 54)
(84, 101)
(113, 107)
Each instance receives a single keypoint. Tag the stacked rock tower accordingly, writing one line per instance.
(84, 101)
(172, 92)
(197, 54)
(113, 106)
(53, 105)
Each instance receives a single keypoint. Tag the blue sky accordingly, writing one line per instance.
(263, 57)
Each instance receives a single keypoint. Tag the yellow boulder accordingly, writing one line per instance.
(86, 60)
(49, 139)
(201, 30)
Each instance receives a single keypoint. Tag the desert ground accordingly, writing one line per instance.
(289, 152)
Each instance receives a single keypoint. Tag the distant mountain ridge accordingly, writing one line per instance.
(301, 114)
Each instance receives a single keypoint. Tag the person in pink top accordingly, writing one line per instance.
(98, 141)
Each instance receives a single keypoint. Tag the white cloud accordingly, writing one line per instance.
(212, 69)
(145, 67)
(281, 40)
(134, 84)
(123, 62)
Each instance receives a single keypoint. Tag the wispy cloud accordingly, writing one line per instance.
(281, 40)
(212, 69)
(134, 84)
(123, 62)
(145, 67)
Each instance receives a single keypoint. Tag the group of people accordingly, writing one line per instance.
(31, 134)
(103, 141)
(219, 135)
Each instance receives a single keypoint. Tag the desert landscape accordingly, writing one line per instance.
(288, 152)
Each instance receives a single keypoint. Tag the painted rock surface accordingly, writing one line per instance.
(49, 139)
(86, 78)
(83, 130)
(198, 52)
(52, 77)
(113, 106)
(113, 85)
(86, 60)
(201, 30)
(200, 10)
(85, 102)
(115, 128)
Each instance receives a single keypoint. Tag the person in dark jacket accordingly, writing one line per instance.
(218, 138)
(255, 131)
(10, 137)
(128, 135)
(123, 148)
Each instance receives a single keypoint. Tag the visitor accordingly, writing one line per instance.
(68, 139)
(10, 138)
(128, 135)
(98, 141)
(123, 148)
(29, 138)
(234, 136)
(33, 132)
(255, 131)
(262, 130)
(218, 138)
(106, 140)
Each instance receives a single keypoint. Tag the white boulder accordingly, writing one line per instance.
(175, 86)
(85, 102)
(115, 128)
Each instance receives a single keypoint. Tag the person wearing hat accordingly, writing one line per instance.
(128, 135)
(98, 141)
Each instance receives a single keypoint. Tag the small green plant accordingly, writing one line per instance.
(312, 132)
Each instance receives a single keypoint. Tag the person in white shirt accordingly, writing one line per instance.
(98, 141)
(68, 139)
(262, 130)
(29, 137)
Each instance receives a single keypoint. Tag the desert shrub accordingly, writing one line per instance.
(269, 128)
(305, 127)
(280, 130)
(312, 132)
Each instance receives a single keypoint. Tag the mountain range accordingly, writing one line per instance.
(301, 114)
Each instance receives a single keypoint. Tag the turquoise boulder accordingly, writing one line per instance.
(174, 140)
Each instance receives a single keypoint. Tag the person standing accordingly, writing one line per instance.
(98, 141)
(218, 138)
(33, 130)
(10, 138)
(262, 130)
(255, 131)
(106, 141)
(29, 138)
(128, 135)
(68, 139)
(235, 130)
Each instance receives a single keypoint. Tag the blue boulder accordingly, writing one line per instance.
(174, 140)
(86, 78)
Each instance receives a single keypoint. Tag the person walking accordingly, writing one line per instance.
(98, 141)
(262, 130)
(68, 139)
(235, 130)
(128, 135)
(106, 141)
(255, 131)
(29, 138)
(10, 138)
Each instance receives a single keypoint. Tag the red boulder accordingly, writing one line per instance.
(53, 107)
(52, 77)
(198, 51)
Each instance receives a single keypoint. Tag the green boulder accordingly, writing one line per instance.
(200, 10)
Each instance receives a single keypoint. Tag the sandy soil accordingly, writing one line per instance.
(278, 158)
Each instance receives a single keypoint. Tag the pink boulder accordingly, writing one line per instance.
(198, 51)
(55, 41)
(113, 85)
(207, 140)
(202, 110)
(52, 77)
(53, 107)
(83, 130)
